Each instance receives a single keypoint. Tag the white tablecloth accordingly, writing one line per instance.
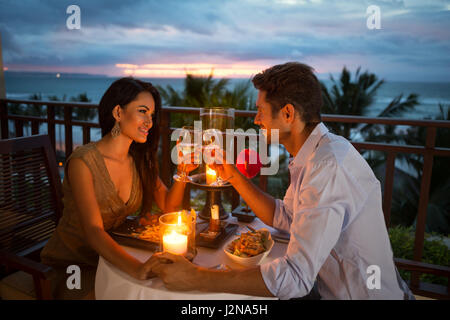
(112, 283)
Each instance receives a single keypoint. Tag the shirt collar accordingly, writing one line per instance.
(310, 145)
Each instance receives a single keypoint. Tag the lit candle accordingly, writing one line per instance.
(175, 243)
(211, 175)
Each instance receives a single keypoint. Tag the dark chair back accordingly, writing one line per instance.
(30, 194)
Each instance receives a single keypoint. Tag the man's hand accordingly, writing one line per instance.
(225, 170)
(262, 204)
(176, 271)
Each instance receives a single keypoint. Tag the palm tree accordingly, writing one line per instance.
(85, 114)
(203, 92)
(438, 210)
(408, 177)
(355, 97)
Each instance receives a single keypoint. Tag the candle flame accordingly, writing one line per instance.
(210, 171)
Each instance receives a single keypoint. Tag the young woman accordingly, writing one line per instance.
(106, 181)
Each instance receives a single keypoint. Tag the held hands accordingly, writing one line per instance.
(144, 271)
(175, 271)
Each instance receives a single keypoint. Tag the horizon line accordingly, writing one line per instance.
(320, 76)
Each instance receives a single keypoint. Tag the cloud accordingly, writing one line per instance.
(263, 32)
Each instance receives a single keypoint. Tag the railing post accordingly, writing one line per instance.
(86, 134)
(235, 197)
(68, 130)
(423, 201)
(18, 124)
(2, 74)
(165, 148)
(388, 187)
(264, 179)
(34, 127)
(4, 119)
(187, 197)
(51, 125)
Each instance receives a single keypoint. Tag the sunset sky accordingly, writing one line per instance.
(235, 38)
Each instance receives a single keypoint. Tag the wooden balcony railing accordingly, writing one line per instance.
(428, 151)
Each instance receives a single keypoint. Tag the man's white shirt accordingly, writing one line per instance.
(333, 212)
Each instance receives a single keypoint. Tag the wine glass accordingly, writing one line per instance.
(211, 138)
(186, 147)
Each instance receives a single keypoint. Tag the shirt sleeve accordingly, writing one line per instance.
(317, 220)
(282, 216)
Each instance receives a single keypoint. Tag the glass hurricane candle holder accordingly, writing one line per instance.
(177, 233)
(215, 122)
(217, 118)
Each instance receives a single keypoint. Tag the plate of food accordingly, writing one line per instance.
(138, 232)
(250, 248)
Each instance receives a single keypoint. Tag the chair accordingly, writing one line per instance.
(30, 208)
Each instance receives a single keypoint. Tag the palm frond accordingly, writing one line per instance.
(397, 106)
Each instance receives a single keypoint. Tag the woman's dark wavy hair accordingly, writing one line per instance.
(122, 92)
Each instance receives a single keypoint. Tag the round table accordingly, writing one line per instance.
(114, 284)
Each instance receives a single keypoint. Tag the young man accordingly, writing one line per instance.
(332, 208)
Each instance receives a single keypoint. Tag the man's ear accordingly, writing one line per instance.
(288, 113)
(117, 112)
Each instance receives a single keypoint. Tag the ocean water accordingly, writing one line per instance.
(20, 85)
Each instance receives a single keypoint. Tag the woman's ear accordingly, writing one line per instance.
(117, 112)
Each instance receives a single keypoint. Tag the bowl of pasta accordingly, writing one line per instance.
(250, 248)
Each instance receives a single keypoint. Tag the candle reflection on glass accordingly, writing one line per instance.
(211, 175)
(214, 223)
(215, 212)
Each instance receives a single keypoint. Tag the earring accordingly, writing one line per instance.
(115, 131)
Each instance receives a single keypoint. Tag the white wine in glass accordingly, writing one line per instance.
(186, 147)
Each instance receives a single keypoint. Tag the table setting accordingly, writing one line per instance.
(211, 238)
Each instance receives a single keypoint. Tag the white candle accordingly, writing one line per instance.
(211, 175)
(175, 243)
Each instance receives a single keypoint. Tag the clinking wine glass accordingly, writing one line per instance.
(219, 181)
(211, 139)
(186, 147)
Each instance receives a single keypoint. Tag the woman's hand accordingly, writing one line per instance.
(149, 219)
(186, 163)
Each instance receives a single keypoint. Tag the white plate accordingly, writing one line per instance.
(255, 260)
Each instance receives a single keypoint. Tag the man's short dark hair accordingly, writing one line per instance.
(293, 83)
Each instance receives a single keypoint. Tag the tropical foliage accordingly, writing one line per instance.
(435, 251)
(204, 92)
(355, 97)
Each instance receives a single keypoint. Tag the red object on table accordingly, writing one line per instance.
(248, 168)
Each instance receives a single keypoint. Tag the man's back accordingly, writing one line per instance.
(363, 247)
(333, 212)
